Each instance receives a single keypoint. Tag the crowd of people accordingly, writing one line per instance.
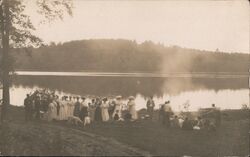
(47, 105)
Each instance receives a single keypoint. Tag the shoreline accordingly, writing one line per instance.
(136, 74)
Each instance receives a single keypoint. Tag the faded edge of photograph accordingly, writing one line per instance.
(124, 78)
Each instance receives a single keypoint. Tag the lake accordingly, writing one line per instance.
(198, 89)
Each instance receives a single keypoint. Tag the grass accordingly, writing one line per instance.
(231, 139)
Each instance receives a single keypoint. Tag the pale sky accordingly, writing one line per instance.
(204, 25)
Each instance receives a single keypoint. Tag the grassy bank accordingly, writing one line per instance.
(230, 139)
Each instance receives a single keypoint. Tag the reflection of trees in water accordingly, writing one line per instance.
(104, 86)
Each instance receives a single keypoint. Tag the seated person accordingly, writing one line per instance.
(175, 122)
(116, 117)
(87, 120)
(199, 124)
(187, 125)
(127, 116)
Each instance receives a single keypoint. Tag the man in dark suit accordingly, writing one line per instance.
(28, 108)
(76, 112)
(150, 107)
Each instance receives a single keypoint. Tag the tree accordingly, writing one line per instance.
(16, 32)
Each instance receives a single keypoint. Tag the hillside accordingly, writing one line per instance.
(127, 56)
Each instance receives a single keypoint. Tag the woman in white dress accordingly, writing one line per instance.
(54, 109)
(62, 110)
(50, 111)
(92, 109)
(70, 107)
(104, 110)
(131, 107)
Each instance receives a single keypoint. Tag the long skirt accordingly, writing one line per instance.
(98, 114)
(105, 115)
(133, 112)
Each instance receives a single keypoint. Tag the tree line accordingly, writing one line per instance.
(110, 55)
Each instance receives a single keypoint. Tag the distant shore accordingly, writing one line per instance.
(135, 74)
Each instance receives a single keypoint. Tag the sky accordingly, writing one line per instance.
(205, 25)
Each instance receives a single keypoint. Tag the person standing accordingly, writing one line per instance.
(28, 108)
(104, 110)
(76, 112)
(98, 111)
(150, 107)
(57, 104)
(167, 113)
(37, 103)
(83, 109)
(111, 108)
(118, 106)
(51, 111)
(131, 108)
(217, 115)
(92, 110)
(161, 113)
(83, 103)
(70, 106)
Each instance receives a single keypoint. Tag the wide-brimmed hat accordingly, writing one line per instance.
(118, 97)
(131, 98)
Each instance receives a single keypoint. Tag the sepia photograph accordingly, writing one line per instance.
(125, 78)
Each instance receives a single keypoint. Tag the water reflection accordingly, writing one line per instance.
(126, 86)
(200, 92)
(225, 99)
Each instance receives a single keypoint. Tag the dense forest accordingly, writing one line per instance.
(120, 55)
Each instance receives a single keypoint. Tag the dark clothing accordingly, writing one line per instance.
(28, 109)
(187, 125)
(166, 119)
(127, 116)
(111, 110)
(83, 113)
(57, 108)
(150, 108)
(116, 117)
(161, 114)
(44, 105)
(76, 112)
(98, 114)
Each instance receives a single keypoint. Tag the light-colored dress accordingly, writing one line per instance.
(118, 108)
(131, 108)
(92, 112)
(70, 108)
(83, 104)
(54, 111)
(104, 111)
(62, 110)
(50, 111)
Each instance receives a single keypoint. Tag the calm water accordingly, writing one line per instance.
(199, 90)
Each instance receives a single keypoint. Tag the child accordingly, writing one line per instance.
(128, 116)
(87, 120)
(116, 117)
